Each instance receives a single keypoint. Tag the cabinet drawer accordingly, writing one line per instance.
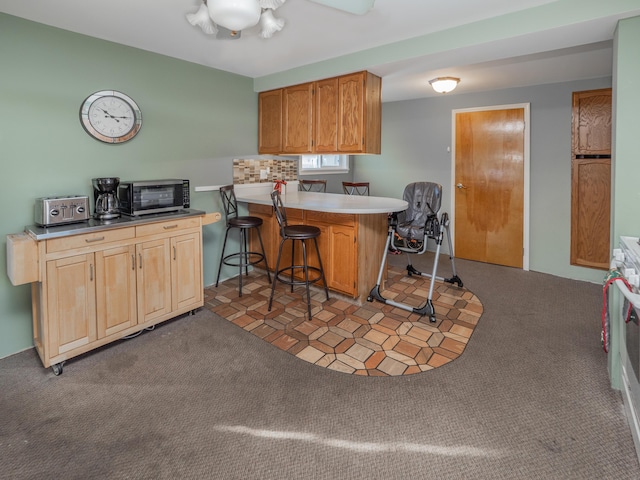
(347, 219)
(167, 227)
(255, 208)
(89, 239)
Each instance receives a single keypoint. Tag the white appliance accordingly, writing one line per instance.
(626, 259)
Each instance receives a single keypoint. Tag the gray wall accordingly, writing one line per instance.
(195, 120)
(417, 133)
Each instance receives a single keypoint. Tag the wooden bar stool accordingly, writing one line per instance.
(244, 257)
(355, 188)
(312, 186)
(300, 233)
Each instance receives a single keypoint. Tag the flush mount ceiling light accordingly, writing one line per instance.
(236, 15)
(444, 84)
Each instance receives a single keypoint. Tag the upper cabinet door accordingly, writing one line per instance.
(326, 116)
(297, 109)
(270, 121)
(351, 113)
(592, 122)
(359, 113)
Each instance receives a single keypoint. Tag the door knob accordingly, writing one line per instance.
(460, 186)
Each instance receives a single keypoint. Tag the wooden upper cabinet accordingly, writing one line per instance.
(592, 122)
(336, 115)
(359, 118)
(297, 108)
(326, 116)
(270, 121)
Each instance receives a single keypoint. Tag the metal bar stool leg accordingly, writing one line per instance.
(224, 245)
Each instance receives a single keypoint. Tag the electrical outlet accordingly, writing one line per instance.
(263, 174)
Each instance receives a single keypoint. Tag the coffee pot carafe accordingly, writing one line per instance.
(107, 205)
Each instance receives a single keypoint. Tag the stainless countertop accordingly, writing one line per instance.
(94, 225)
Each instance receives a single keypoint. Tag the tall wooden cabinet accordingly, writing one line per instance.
(591, 178)
(335, 115)
(94, 288)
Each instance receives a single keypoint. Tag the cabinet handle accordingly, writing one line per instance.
(174, 252)
(140, 258)
(91, 272)
(91, 240)
(169, 227)
(133, 262)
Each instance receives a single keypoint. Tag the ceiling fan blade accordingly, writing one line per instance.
(357, 7)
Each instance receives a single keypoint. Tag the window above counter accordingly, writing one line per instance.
(329, 164)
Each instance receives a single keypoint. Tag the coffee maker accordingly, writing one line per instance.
(107, 206)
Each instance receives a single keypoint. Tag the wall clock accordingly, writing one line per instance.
(110, 116)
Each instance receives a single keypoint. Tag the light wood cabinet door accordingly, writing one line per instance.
(270, 232)
(590, 212)
(186, 270)
(326, 116)
(71, 303)
(153, 278)
(116, 290)
(297, 108)
(270, 121)
(359, 113)
(342, 248)
(592, 120)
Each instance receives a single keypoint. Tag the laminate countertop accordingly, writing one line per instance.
(328, 202)
(95, 225)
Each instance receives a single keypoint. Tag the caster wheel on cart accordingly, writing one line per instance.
(57, 368)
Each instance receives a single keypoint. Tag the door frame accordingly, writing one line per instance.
(526, 179)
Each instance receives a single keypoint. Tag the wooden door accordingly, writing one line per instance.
(153, 278)
(489, 179)
(71, 298)
(270, 121)
(297, 108)
(591, 178)
(326, 116)
(116, 290)
(186, 270)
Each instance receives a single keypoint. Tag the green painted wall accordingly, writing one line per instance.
(195, 120)
(625, 203)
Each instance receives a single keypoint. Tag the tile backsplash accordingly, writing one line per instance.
(247, 170)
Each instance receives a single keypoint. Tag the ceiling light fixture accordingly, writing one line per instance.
(444, 84)
(236, 15)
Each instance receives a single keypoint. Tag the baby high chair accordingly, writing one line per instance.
(409, 232)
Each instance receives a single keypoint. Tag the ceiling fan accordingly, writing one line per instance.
(227, 18)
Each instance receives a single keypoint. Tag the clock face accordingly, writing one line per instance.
(110, 116)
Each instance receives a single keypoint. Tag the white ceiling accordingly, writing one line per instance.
(315, 33)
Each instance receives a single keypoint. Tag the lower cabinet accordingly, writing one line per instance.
(107, 285)
(338, 243)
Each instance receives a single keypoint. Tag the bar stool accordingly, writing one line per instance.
(295, 233)
(355, 188)
(312, 186)
(244, 257)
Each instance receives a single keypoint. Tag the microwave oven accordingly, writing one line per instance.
(143, 197)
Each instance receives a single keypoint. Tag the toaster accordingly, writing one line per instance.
(60, 210)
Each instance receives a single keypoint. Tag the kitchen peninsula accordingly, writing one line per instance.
(352, 242)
